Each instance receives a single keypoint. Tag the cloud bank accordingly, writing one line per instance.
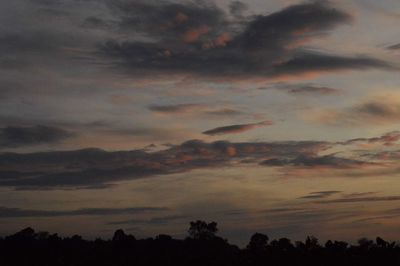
(199, 39)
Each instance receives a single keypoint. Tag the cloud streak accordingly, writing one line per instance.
(21, 213)
(360, 199)
(320, 194)
(316, 161)
(394, 47)
(235, 129)
(303, 89)
(177, 108)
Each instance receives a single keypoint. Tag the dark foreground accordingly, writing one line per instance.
(202, 247)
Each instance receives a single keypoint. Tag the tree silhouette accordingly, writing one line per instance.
(312, 242)
(202, 248)
(258, 242)
(202, 230)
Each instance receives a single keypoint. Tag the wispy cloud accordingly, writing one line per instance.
(234, 129)
(394, 47)
(154, 220)
(329, 161)
(379, 109)
(303, 89)
(20, 213)
(360, 199)
(195, 109)
(177, 108)
(320, 194)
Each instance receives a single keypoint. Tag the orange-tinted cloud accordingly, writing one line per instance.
(194, 34)
(222, 39)
(266, 47)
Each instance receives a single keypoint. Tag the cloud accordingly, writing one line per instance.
(155, 220)
(306, 89)
(97, 169)
(194, 109)
(198, 39)
(13, 45)
(330, 161)
(394, 47)
(224, 112)
(360, 199)
(168, 20)
(177, 108)
(312, 64)
(95, 23)
(19, 213)
(379, 109)
(237, 8)
(387, 139)
(359, 194)
(94, 168)
(383, 155)
(320, 194)
(14, 136)
(234, 129)
(314, 90)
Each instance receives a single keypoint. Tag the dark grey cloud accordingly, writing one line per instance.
(359, 194)
(237, 8)
(378, 109)
(195, 108)
(153, 221)
(233, 129)
(387, 139)
(284, 210)
(383, 155)
(316, 161)
(224, 112)
(96, 23)
(176, 108)
(20, 213)
(47, 2)
(394, 47)
(306, 89)
(314, 89)
(94, 168)
(18, 50)
(320, 194)
(196, 38)
(169, 20)
(11, 43)
(313, 63)
(14, 136)
(47, 36)
(360, 199)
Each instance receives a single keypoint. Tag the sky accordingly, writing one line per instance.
(279, 117)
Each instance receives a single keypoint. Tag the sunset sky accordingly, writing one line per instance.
(272, 116)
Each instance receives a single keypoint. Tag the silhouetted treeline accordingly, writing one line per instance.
(201, 247)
